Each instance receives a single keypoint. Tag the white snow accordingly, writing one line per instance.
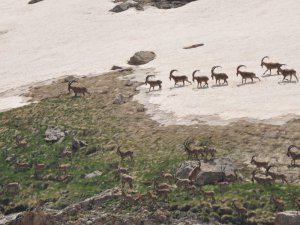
(59, 37)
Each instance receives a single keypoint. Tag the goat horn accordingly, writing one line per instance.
(195, 73)
(172, 71)
(262, 60)
(148, 78)
(240, 67)
(214, 67)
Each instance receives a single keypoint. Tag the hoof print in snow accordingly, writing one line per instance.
(34, 1)
(142, 57)
(193, 46)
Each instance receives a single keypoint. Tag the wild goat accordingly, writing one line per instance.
(156, 185)
(64, 168)
(20, 141)
(208, 194)
(239, 209)
(219, 76)
(153, 83)
(270, 66)
(262, 180)
(166, 176)
(293, 155)
(177, 79)
(12, 187)
(162, 192)
(192, 152)
(259, 164)
(276, 176)
(183, 183)
(123, 155)
(126, 179)
(127, 197)
(200, 79)
(245, 75)
(77, 90)
(22, 165)
(297, 204)
(288, 72)
(277, 202)
(193, 173)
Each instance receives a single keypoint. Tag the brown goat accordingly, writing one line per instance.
(208, 194)
(193, 173)
(219, 76)
(276, 176)
(156, 185)
(128, 197)
(277, 202)
(245, 75)
(64, 168)
(163, 193)
(123, 155)
(192, 152)
(270, 66)
(239, 209)
(183, 183)
(166, 176)
(288, 72)
(22, 166)
(177, 79)
(259, 164)
(297, 204)
(77, 90)
(293, 155)
(200, 79)
(13, 187)
(39, 167)
(126, 179)
(153, 83)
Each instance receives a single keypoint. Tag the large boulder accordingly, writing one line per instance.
(211, 171)
(287, 218)
(141, 57)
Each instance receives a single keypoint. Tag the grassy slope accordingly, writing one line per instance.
(96, 120)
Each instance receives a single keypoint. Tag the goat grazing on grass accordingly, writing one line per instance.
(192, 152)
(126, 179)
(77, 90)
(128, 197)
(292, 154)
(208, 194)
(259, 164)
(200, 79)
(162, 193)
(123, 155)
(288, 72)
(12, 187)
(219, 76)
(276, 176)
(270, 66)
(177, 79)
(64, 168)
(245, 75)
(153, 83)
(277, 202)
(20, 166)
(183, 183)
(166, 176)
(238, 208)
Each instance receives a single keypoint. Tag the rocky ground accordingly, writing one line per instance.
(109, 113)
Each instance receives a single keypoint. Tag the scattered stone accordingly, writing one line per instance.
(121, 7)
(55, 134)
(96, 173)
(116, 67)
(141, 57)
(193, 46)
(128, 83)
(287, 218)
(119, 99)
(34, 1)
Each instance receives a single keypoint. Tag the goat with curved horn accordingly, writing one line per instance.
(153, 83)
(177, 79)
(246, 75)
(270, 66)
(77, 90)
(200, 79)
(218, 76)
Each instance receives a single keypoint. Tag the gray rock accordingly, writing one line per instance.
(77, 144)
(142, 57)
(34, 1)
(211, 171)
(116, 67)
(119, 99)
(54, 134)
(96, 173)
(287, 218)
(121, 7)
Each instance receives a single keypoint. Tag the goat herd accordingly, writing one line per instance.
(223, 76)
(162, 185)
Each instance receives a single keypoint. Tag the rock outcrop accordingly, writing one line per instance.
(287, 218)
(55, 134)
(141, 57)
